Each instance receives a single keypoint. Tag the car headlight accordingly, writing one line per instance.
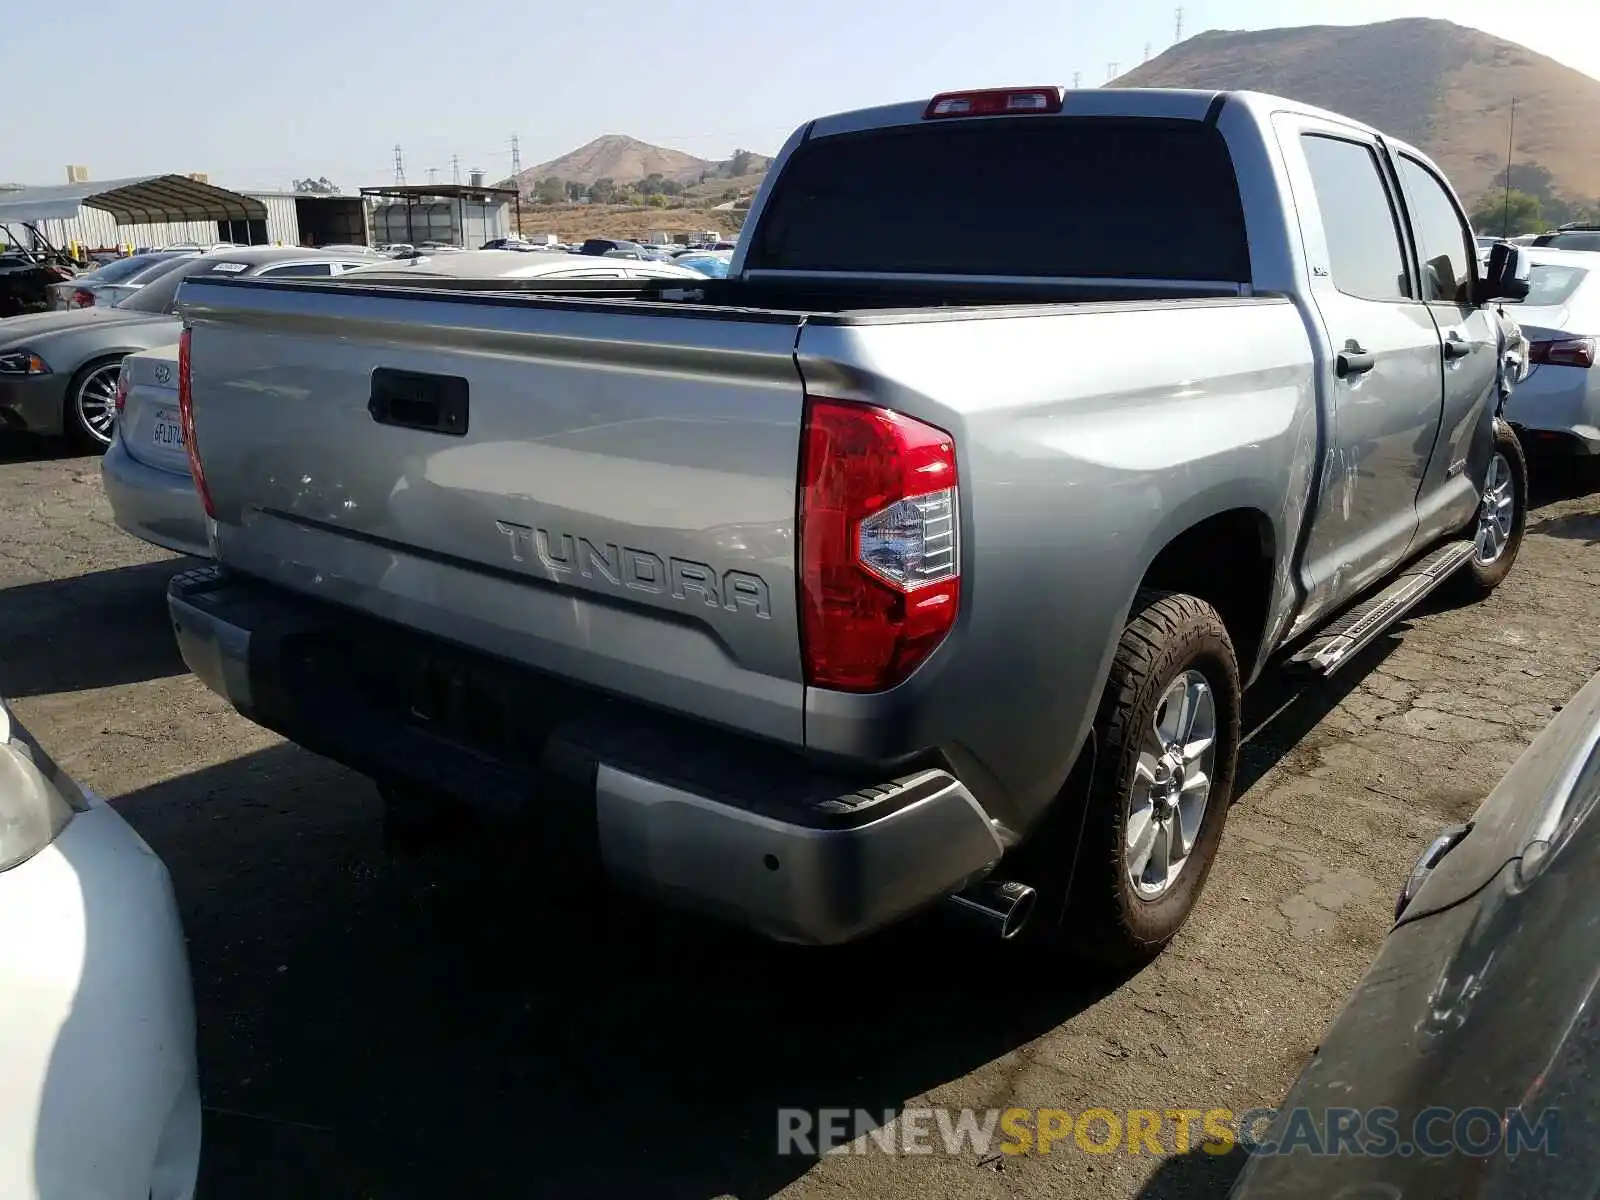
(22, 362)
(36, 798)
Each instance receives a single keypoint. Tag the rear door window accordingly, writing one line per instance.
(1026, 196)
(1445, 249)
(1365, 253)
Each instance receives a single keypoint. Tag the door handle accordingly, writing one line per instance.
(1354, 361)
(1455, 346)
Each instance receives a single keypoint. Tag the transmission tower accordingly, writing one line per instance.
(433, 173)
(516, 157)
(1177, 30)
(455, 168)
(399, 166)
(1077, 78)
(1111, 71)
(1146, 52)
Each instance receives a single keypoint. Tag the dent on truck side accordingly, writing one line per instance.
(1080, 458)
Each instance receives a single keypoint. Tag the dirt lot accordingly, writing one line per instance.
(457, 1027)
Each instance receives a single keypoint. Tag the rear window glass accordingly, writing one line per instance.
(1022, 196)
(1549, 285)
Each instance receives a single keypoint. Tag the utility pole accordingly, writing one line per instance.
(1177, 31)
(1077, 77)
(399, 166)
(1111, 71)
(455, 168)
(516, 159)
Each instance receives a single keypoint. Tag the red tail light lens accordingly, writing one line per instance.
(122, 389)
(1567, 352)
(81, 298)
(880, 565)
(186, 420)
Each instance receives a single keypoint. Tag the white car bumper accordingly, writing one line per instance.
(100, 1098)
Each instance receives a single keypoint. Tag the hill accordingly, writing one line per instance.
(624, 159)
(1438, 85)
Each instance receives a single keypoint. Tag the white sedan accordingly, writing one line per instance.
(100, 1097)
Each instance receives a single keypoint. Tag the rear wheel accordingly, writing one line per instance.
(1168, 735)
(91, 404)
(1502, 516)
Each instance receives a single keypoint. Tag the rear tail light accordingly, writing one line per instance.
(81, 298)
(186, 421)
(880, 562)
(994, 102)
(122, 389)
(1566, 352)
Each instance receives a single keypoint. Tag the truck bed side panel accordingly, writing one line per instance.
(1085, 443)
(619, 508)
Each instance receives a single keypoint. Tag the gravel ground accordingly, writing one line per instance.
(461, 1025)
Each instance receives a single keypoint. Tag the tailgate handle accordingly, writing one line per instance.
(414, 400)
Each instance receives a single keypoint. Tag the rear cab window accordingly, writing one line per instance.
(1046, 197)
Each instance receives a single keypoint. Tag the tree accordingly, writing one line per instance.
(321, 186)
(550, 191)
(671, 187)
(603, 191)
(742, 163)
(1498, 215)
(656, 200)
(575, 190)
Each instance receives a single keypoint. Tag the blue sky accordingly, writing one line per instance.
(258, 94)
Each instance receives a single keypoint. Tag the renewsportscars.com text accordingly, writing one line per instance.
(1378, 1132)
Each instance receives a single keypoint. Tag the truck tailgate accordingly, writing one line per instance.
(605, 495)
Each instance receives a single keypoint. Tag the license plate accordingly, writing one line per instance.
(167, 432)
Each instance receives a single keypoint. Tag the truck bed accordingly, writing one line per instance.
(616, 506)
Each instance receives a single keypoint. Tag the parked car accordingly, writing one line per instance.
(97, 1033)
(109, 295)
(504, 264)
(600, 247)
(1479, 1007)
(146, 469)
(58, 370)
(1578, 236)
(805, 610)
(26, 277)
(713, 263)
(81, 291)
(1556, 409)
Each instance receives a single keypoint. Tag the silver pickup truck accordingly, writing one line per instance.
(926, 556)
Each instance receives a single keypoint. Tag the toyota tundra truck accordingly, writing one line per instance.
(924, 558)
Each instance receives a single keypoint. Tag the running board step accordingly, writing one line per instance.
(1355, 631)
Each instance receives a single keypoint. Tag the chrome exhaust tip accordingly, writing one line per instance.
(1000, 907)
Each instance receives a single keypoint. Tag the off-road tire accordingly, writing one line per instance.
(1166, 634)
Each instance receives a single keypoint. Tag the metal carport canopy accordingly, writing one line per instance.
(145, 200)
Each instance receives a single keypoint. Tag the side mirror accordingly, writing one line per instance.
(1507, 275)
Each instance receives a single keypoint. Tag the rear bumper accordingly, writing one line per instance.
(691, 816)
(156, 506)
(1558, 409)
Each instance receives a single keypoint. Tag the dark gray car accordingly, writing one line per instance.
(1465, 1062)
(58, 370)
